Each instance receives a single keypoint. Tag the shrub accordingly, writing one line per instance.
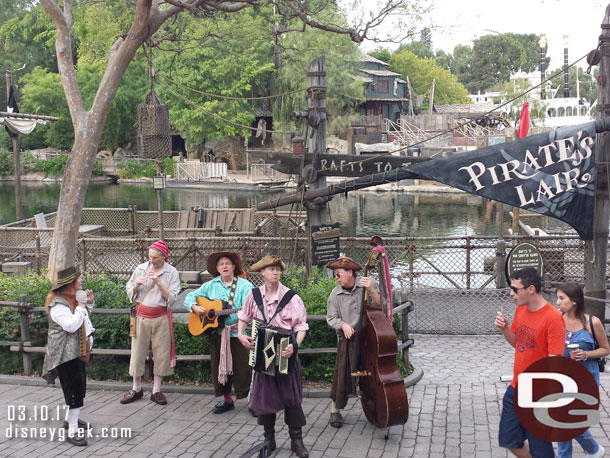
(52, 167)
(6, 163)
(132, 168)
(112, 331)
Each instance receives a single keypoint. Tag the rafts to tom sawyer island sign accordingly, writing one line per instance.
(346, 165)
(551, 173)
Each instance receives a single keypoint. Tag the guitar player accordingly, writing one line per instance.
(229, 358)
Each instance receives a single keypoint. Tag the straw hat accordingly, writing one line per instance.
(213, 260)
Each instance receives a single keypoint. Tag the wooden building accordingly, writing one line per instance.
(385, 92)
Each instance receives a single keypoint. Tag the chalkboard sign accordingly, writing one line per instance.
(324, 243)
(524, 255)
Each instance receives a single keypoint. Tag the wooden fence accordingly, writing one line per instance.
(24, 345)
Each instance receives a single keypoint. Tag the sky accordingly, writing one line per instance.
(462, 21)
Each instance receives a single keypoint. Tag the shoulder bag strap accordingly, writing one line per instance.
(258, 298)
(285, 299)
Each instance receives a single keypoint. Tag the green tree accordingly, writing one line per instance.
(383, 54)
(234, 58)
(147, 21)
(587, 83)
(512, 112)
(42, 93)
(496, 57)
(344, 92)
(422, 72)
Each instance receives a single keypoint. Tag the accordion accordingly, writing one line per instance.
(269, 343)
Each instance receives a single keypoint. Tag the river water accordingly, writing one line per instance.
(360, 213)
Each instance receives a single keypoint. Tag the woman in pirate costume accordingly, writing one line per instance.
(69, 344)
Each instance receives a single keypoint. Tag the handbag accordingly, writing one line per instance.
(601, 362)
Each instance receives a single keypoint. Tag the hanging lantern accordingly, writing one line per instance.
(154, 139)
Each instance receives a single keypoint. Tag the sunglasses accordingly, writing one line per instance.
(516, 290)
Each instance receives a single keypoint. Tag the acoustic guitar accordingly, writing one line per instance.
(209, 320)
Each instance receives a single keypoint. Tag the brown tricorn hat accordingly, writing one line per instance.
(213, 260)
(268, 261)
(344, 262)
(64, 277)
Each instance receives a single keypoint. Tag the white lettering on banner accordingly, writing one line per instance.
(550, 186)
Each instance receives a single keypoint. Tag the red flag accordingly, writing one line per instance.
(524, 121)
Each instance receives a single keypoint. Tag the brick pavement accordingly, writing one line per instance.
(454, 412)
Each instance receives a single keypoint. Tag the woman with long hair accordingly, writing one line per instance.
(69, 345)
(580, 329)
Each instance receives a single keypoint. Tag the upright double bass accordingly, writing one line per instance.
(383, 392)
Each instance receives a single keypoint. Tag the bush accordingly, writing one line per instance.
(131, 168)
(112, 331)
(52, 167)
(6, 163)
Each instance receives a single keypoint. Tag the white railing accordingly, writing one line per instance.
(197, 171)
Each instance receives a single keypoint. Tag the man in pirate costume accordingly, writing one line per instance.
(153, 287)
(280, 307)
(229, 358)
(69, 345)
(344, 314)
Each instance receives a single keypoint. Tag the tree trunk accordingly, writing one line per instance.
(72, 197)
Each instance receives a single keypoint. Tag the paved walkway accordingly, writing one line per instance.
(454, 411)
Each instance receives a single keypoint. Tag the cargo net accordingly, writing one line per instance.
(154, 139)
(120, 256)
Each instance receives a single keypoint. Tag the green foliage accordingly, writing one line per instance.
(536, 106)
(52, 167)
(232, 58)
(587, 83)
(6, 163)
(112, 331)
(344, 93)
(132, 168)
(496, 57)
(422, 72)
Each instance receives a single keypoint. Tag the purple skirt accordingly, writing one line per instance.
(270, 394)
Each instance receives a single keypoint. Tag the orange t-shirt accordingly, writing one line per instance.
(539, 334)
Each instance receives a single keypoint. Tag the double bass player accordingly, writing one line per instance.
(344, 314)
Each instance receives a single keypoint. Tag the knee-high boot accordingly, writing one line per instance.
(268, 422)
(296, 441)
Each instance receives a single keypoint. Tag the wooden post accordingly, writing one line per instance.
(316, 103)
(24, 319)
(38, 253)
(597, 256)
(16, 158)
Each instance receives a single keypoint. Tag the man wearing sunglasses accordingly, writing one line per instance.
(344, 314)
(537, 331)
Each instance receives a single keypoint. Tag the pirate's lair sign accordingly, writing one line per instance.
(551, 173)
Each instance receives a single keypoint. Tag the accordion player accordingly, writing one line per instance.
(270, 343)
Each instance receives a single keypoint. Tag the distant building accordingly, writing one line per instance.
(385, 92)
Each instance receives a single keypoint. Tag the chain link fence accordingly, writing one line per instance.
(452, 281)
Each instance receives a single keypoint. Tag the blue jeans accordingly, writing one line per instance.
(585, 440)
(513, 435)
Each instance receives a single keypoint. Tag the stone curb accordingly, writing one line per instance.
(412, 379)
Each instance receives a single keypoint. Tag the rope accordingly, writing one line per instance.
(214, 115)
(230, 97)
(459, 126)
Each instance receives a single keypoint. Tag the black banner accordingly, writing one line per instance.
(551, 173)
